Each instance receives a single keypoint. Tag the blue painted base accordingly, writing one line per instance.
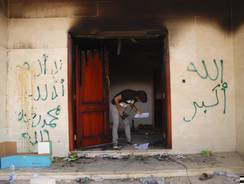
(25, 161)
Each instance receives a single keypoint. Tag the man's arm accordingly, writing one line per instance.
(117, 99)
(135, 109)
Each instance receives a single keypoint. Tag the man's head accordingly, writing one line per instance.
(141, 96)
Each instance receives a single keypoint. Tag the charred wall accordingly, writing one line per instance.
(107, 14)
(197, 31)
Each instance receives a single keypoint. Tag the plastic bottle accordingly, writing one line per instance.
(12, 175)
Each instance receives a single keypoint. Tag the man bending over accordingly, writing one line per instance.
(119, 109)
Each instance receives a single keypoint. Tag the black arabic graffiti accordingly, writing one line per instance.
(222, 85)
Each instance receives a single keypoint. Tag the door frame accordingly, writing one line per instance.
(116, 35)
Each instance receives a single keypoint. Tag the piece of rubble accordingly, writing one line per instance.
(152, 180)
(97, 178)
(84, 180)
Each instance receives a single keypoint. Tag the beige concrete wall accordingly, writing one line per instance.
(239, 77)
(3, 74)
(38, 83)
(206, 126)
(38, 88)
(191, 40)
(238, 38)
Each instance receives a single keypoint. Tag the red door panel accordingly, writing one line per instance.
(92, 106)
(92, 79)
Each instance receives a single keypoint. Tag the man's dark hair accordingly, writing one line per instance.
(142, 95)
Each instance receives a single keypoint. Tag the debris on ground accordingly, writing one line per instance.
(167, 157)
(71, 157)
(84, 180)
(176, 159)
(97, 178)
(152, 180)
(127, 156)
(110, 156)
(163, 157)
(116, 157)
(222, 173)
(205, 176)
(206, 153)
(181, 157)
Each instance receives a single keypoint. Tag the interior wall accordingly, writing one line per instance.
(3, 74)
(35, 33)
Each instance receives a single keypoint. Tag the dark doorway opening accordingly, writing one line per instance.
(138, 64)
(115, 64)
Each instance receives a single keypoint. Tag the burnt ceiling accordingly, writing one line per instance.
(125, 14)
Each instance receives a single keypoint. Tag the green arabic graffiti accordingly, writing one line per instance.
(34, 141)
(42, 65)
(25, 66)
(192, 68)
(39, 120)
(44, 68)
(220, 86)
(54, 114)
(43, 95)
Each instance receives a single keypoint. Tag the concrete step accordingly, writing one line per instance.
(26, 175)
(122, 153)
(136, 166)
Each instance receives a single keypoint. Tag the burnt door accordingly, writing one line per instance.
(92, 108)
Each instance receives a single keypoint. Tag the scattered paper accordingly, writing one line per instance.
(141, 146)
(142, 115)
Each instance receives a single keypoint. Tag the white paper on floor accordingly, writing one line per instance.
(141, 146)
(142, 115)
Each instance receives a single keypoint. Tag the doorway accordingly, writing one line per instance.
(102, 67)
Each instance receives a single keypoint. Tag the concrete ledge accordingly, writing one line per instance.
(26, 175)
(112, 165)
(149, 152)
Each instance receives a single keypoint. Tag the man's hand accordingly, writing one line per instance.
(138, 112)
(121, 112)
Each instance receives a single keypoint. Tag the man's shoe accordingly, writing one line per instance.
(115, 146)
(130, 143)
